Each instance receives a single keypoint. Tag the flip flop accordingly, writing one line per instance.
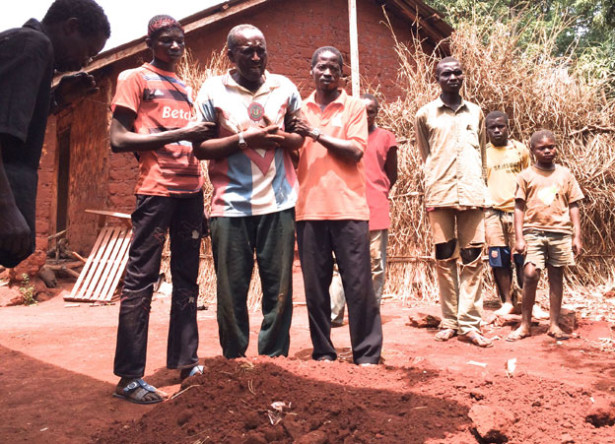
(516, 336)
(136, 390)
(445, 334)
(477, 339)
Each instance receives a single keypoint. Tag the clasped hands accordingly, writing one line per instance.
(269, 136)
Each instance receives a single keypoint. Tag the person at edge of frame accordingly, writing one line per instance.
(70, 34)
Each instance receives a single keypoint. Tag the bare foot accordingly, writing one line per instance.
(519, 334)
(506, 309)
(556, 333)
(539, 313)
(445, 334)
(477, 339)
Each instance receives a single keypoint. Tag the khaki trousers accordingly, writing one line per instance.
(460, 284)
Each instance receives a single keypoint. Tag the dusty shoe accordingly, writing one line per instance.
(185, 373)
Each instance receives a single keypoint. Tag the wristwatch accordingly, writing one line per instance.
(314, 134)
(242, 142)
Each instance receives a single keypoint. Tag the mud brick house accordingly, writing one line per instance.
(78, 170)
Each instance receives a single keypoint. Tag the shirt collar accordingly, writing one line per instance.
(509, 144)
(268, 85)
(159, 71)
(441, 104)
(340, 101)
(34, 24)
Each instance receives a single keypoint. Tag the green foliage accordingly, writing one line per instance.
(27, 290)
(583, 29)
(597, 64)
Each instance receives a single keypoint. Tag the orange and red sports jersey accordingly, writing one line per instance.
(162, 102)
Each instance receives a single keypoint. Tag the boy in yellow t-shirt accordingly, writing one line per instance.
(547, 229)
(505, 159)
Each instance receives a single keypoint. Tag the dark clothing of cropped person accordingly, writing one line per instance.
(70, 34)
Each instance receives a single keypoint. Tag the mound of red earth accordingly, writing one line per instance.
(265, 400)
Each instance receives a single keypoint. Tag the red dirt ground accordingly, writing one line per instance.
(57, 380)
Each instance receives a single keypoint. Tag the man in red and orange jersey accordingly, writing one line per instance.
(152, 112)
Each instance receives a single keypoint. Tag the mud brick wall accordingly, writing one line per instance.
(295, 28)
(45, 198)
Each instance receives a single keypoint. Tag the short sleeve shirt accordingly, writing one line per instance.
(452, 144)
(377, 183)
(503, 165)
(547, 196)
(253, 181)
(162, 102)
(330, 188)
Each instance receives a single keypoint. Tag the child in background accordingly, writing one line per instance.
(547, 229)
(505, 159)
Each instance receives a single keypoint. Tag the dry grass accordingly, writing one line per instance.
(537, 91)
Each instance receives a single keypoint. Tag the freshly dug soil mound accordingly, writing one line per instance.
(339, 402)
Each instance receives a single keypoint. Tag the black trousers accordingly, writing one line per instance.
(154, 215)
(349, 240)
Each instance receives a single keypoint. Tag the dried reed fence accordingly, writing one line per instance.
(537, 90)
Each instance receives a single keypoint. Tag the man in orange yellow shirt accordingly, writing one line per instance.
(332, 213)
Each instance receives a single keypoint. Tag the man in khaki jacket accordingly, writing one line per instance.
(451, 137)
